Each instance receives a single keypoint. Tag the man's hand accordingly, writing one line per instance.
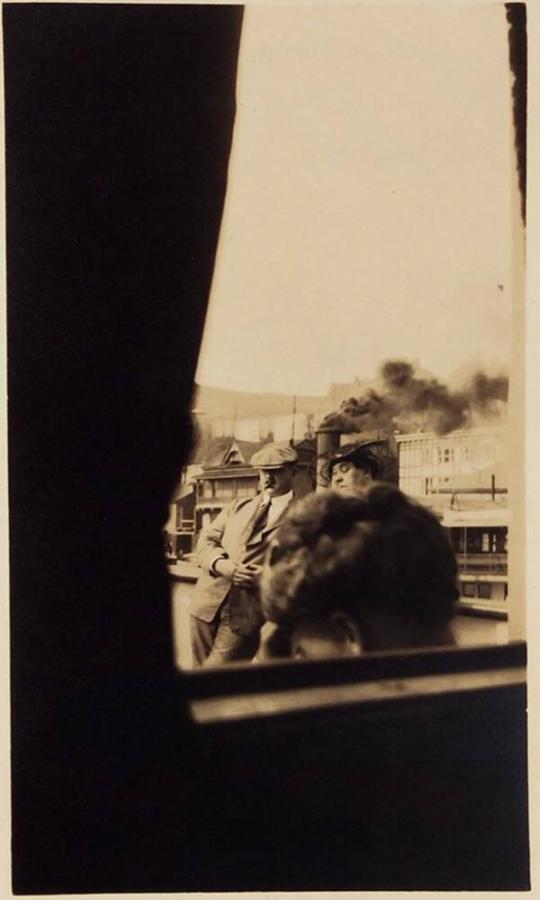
(239, 573)
(245, 575)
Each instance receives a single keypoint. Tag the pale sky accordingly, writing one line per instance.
(369, 208)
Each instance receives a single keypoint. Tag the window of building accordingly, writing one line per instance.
(445, 454)
(458, 539)
(206, 489)
(234, 458)
(468, 588)
(225, 489)
(485, 542)
(484, 590)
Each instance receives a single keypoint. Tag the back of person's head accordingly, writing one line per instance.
(360, 573)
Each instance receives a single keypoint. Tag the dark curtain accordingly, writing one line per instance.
(118, 127)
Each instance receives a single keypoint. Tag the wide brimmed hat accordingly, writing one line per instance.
(360, 453)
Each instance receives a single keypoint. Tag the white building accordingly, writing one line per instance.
(462, 476)
(472, 460)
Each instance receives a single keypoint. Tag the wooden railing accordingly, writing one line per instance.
(186, 525)
(496, 563)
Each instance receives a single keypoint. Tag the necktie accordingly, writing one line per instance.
(259, 519)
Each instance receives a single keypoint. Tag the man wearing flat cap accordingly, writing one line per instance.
(353, 468)
(225, 610)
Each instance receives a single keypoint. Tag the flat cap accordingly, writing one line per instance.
(360, 454)
(274, 456)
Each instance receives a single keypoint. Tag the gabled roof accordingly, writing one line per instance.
(210, 449)
(215, 452)
(249, 448)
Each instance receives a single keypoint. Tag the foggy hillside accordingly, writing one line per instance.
(222, 403)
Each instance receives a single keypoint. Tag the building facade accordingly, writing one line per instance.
(462, 477)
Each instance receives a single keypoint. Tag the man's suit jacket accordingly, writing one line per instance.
(227, 534)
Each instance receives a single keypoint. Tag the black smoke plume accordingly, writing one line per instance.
(409, 402)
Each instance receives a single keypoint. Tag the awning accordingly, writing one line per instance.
(184, 491)
(475, 518)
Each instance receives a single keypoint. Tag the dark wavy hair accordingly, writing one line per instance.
(380, 554)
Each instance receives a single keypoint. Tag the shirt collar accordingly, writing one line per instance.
(282, 501)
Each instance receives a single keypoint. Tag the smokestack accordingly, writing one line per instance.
(327, 443)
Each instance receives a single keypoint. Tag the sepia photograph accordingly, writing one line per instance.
(266, 375)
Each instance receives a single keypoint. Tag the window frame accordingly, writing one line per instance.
(280, 678)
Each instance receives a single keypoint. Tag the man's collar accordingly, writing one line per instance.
(283, 499)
